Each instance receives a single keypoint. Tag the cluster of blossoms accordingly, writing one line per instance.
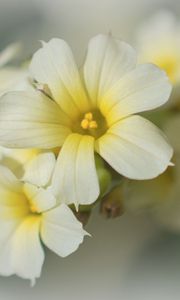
(65, 135)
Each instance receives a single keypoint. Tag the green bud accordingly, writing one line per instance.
(104, 178)
(99, 162)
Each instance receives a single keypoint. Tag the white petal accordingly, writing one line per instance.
(107, 60)
(27, 255)
(10, 52)
(75, 178)
(144, 88)
(17, 159)
(135, 148)
(41, 199)
(54, 65)
(12, 79)
(6, 247)
(13, 209)
(8, 180)
(61, 231)
(39, 170)
(30, 120)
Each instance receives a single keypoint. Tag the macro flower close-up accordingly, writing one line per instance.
(96, 113)
(89, 150)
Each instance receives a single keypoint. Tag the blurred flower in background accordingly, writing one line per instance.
(12, 77)
(158, 41)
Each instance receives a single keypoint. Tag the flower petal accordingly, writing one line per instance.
(41, 199)
(61, 231)
(6, 247)
(13, 204)
(30, 120)
(10, 187)
(39, 170)
(27, 254)
(75, 178)
(15, 257)
(8, 180)
(144, 88)
(17, 159)
(9, 53)
(107, 60)
(54, 65)
(135, 148)
(13, 79)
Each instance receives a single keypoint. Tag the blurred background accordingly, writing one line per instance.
(130, 257)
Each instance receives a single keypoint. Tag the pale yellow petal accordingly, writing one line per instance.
(13, 79)
(6, 247)
(40, 199)
(39, 169)
(29, 119)
(75, 178)
(108, 59)
(54, 65)
(135, 148)
(13, 204)
(27, 255)
(61, 231)
(144, 88)
(17, 159)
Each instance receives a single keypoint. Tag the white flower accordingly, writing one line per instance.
(158, 41)
(93, 114)
(29, 214)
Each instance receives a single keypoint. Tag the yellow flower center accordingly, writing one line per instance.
(90, 123)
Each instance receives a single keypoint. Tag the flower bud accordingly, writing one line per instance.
(112, 203)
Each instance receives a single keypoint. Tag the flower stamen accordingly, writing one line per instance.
(88, 122)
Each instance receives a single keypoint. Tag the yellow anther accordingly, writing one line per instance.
(85, 124)
(88, 122)
(93, 125)
(88, 116)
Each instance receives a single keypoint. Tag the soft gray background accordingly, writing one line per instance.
(127, 258)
